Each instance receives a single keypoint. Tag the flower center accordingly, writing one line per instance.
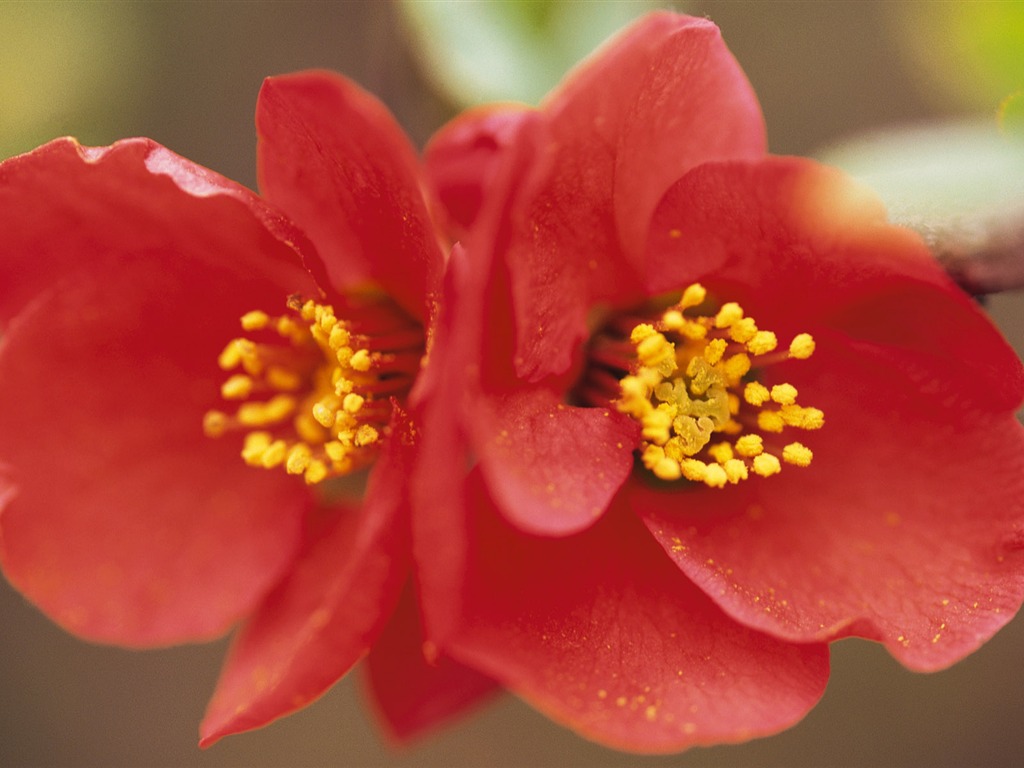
(688, 378)
(314, 389)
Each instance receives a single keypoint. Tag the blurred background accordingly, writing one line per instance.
(187, 75)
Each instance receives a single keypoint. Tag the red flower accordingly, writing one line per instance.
(871, 489)
(124, 273)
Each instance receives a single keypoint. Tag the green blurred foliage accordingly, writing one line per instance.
(1011, 115)
(955, 183)
(510, 50)
(970, 52)
(61, 68)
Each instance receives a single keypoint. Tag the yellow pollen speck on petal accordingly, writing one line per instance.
(784, 394)
(802, 346)
(766, 465)
(798, 454)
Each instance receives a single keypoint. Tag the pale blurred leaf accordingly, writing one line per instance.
(510, 51)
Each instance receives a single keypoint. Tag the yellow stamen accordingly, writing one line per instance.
(320, 418)
(695, 379)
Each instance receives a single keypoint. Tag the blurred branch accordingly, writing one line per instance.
(984, 255)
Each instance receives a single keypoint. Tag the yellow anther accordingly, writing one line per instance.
(262, 414)
(325, 414)
(715, 476)
(255, 320)
(737, 366)
(728, 315)
(694, 296)
(316, 472)
(641, 332)
(784, 394)
(749, 446)
(283, 378)
(308, 428)
(656, 425)
(735, 470)
(762, 343)
(720, 452)
(743, 330)
(274, 455)
(802, 346)
(308, 311)
(756, 393)
(238, 387)
(686, 389)
(655, 351)
(353, 402)
(360, 361)
(693, 331)
(299, 458)
(766, 465)
(673, 320)
(667, 469)
(335, 450)
(798, 454)
(802, 418)
(231, 357)
(256, 443)
(635, 398)
(770, 421)
(215, 423)
(366, 435)
(714, 351)
(694, 470)
(339, 337)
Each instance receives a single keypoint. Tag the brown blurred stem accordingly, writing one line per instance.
(983, 254)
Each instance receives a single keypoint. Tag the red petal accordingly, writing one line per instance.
(334, 159)
(125, 523)
(601, 633)
(63, 202)
(907, 526)
(415, 688)
(905, 529)
(660, 98)
(552, 468)
(462, 160)
(325, 616)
